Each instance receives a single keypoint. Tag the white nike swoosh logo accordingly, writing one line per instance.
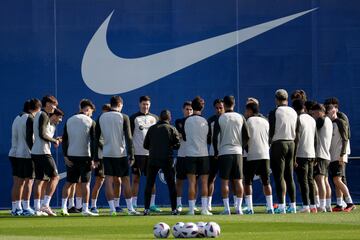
(105, 73)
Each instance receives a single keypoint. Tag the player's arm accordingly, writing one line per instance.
(65, 141)
(128, 138)
(272, 124)
(297, 136)
(175, 139)
(14, 135)
(43, 123)
(215, 137)
(29, 132)
(209, 135)
(245, 133)
(93, 148)
(146, 143)
(343, 130)
(97, 141)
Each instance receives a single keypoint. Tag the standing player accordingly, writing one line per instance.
(283, 124)
(305, 156)
(40, 153)
(196, 135)
(214, 165)
(17, 187)
(118, 151)
(324, 136)
(181, 154)
(78, 149)
(234, 134)
(140, 124)
(258, 159)
(160, 140)
(338, 153)
(99, 170)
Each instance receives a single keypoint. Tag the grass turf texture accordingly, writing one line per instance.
(257, 226)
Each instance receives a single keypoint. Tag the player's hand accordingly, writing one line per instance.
(341, 161)
(131, 162)
(93, 166)
(59, 139)
(56, 144)
(68, 162)
(295, 164)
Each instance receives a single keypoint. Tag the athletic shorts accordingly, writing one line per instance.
(257, 167)
(321, 167)
(197, 165)
(116, 167)
(180, 168)
(336, 170)
(80, 170)
(99, 171)
(25, 168)
(140, 165)
(45, 166)
(213, 168)
(231, 166)
(14, 166)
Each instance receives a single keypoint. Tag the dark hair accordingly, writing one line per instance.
(115, 100)
(252, 106)
(298, 104)
(217, 101)
(49, 99)
(35, 104)
(186, 103)
(229, 101)
(165, 115)
(57, 112)
(298, 94)
(26, 107)
(318, 107)
(87, 103)
(333, 100)
(144, 99)
(329, 107)
(106, 107)
(309, 104)
(198, 103)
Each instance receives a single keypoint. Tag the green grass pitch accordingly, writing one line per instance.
(257, 226)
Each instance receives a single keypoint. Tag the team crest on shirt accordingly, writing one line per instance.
(141, 127)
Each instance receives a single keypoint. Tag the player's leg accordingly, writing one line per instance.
(264, 172)
(99, 181)
(277, 162)
(136, 173)
(150, 181)
(249, 174)
(328, 194)
(52, 173)
(224, 174)
(203, 172)
(117, 193)
(211, 181)
(169, 174)
(312, 185)
(302, 177)
(289, 176)
(85, 176)
(180, 177)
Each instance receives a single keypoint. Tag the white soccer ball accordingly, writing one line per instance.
(161, 230)
(189, 230)
(201, 229)
(212, 229)
(177, 230)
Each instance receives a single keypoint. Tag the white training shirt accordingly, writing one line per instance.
(324, 136)
(196, 130)
(258, 145)
(336, 144)
(285, 123)
(41, 146)
(14, 136)
(22, 150)
(307, 135)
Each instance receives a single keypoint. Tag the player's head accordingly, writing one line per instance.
(26, 106)
(333, 101)
(57, 116)
(281, 97)
(35, 105)
(298, 105)
(252, 99)
(308, 106)
(198, 104)
(251, 109)
(49, 103)
(218, 106)
(187, 109)
(298, 94)
(165, 115)
(144, 104)
(87, 107)
(229, 102)
(116, 103)
(106, 108)
(331, 111)
(318, 110)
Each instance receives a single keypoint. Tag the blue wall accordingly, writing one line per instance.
(43, 42)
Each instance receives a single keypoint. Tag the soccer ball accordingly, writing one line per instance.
(201, 229)
(189, 230)
(161, 230)
(212, 229)
(176, 230)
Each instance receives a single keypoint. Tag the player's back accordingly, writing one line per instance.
(196, 135)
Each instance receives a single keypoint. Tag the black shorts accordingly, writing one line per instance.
(336, 170)
(214, 167)
(99, 171)
(180, 168)
(231, 166)
(45, 166)
(25, 168)
(257, 167)
(81, 169)
(321, 167)
(197, 165)
(140, 165)
(116, 167)
(14, 166)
